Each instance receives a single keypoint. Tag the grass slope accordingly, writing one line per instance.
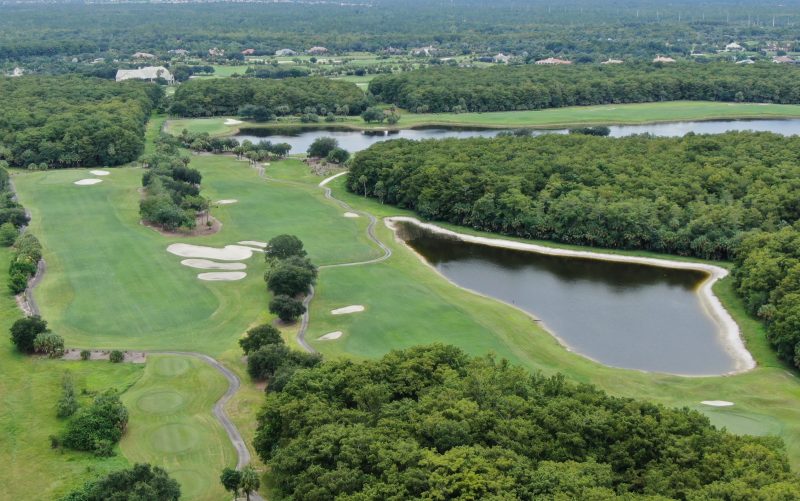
(615, 114)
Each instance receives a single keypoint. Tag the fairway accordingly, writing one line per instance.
(171, 424)
(612, 114)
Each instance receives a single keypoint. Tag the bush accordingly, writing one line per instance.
(105, 419)
(67, 404)
(50, 344)
(260, 336)
(8, 234)
(24, 332)
(373, 114)
(287, 308)
(103, 448)
(116, 356)
(338, 156)
(322, 146)
(138, 483)
(85, 354)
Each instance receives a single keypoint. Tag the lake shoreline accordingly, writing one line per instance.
(728, 329)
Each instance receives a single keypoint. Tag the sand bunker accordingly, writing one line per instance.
(253, 243)
(717, 403)
(99, 172)
(356, 308)
(222, 276)
(350, 214)
(231, 121)
(330, 336)
(86, 182)
(226, 201)
(205, 264)
(227, 253)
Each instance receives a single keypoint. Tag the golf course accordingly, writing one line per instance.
(111, 284)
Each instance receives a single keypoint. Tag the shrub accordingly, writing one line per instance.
(338, 156)
(259, 336)
(116, 356)
(67, 404)
(103, 448)
(138, 483)
(287, 308)
(49, 343)
(8, 234)
(322, 146)
(86, 354)
(263, 363)
(105, 419)
(24, 332)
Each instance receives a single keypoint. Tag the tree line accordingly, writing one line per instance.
(691, 196)
(533, 87)
(432, 423)
(225, 96)
(66, 121)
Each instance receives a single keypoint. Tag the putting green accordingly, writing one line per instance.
(172, 366)
(173, 438)
(161, 402)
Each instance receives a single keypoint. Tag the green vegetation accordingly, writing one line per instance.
(27, 253)
(140, 482)
(200, 98)
(25, 331)
(70, 121)
(688, 196)
(446, 426)
(98, 427)
(68, 403)
(511, 88)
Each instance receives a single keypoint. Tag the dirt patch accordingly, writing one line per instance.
(132, 357)
(201, 229)
(356, 308)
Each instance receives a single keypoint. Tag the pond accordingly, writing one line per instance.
(355, 140)
(620, 314)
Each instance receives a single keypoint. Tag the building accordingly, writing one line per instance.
(663, 59)
(179, 52)
(215, 52)
(746, 61)
(18, 72)
(553, 60)
(501, 58)
(149, 73)
(317, 50)
(423, 51)
(248, 52)
(613, 61)
(733, 47)
(143, 55)
(783, 60)
(285, 53)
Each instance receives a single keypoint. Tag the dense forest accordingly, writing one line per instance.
(320, 96)
(688, 196)
(582, 29)
(70, 120)
(432, 423)
(533, 87)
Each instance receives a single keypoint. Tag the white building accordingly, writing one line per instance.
(613, 61)
(143, 55)
(317, 50)
(553, 60)
(149, 73)
(285, 53)
(663, 59)
(501, 58)
(733, 47)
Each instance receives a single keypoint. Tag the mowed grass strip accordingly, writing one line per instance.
(172, 426)
(611, 114)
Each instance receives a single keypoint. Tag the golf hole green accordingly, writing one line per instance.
(171, 366)
(173, 437)
(161, 402)
(193, 483)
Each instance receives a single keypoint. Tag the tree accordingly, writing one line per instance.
(362, 180)
(105, 419)
(230, 479)
(373, 114)
(259, 336)
(288, 279)
(8, 233)
(86, 354)
(322, 146)
(249, 481)
(284, 246)
(24, 332)
(263, 363)
(49, 343)
(116, 356)
(139, 483)
(287, 308)
(338, 156)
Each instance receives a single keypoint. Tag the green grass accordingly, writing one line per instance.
(618, 114)
(171, 424)
(29, 389)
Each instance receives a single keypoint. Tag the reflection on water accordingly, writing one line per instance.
(620, 314)
(353, 140)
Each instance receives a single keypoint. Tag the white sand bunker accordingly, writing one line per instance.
(253, 243)
(351, 214)
(330, 336)
(231, 121)
(86, 182)
(205, 264)
(227, 253)
(222, 276)
(717, 403)
(356, 308)
(227, 201)
(99, 172)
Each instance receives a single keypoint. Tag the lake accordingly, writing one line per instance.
(619, 314)
(355, 140)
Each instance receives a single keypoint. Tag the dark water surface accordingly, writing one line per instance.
(620, 314)
(354, 140)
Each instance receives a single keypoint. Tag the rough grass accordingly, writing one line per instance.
(615, 114)
(171, 424)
